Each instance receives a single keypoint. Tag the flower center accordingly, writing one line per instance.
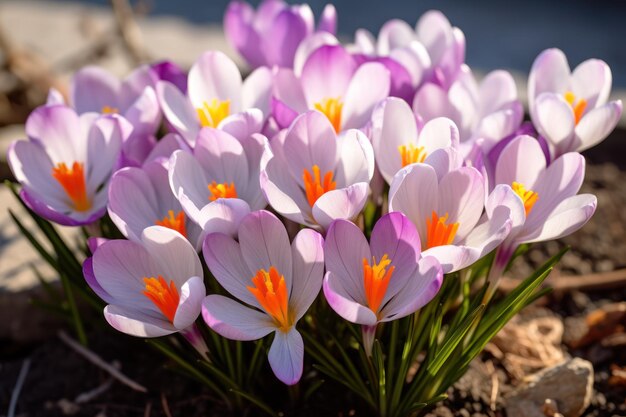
(411, 154)
(174, 222)
(376, 280)
(578, 106)
(165, 297)
(331, 107)
(110, 110)
(313, 185)
(211, 115)
(73, 182)
(529, 197)
(438, 232)
(270, 291)
(223, 190)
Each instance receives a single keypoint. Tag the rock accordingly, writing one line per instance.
(568, 385)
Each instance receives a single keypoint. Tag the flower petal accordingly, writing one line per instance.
(135, 323)
(343, 203)
(417, 292)
(522, 160)
(369, 85)
(178, 111)
(264, 243)
(286, 356)
(327, 73)
(215, 76)
(596, 125)
(550, 73)
(176, 257)
(307, 251)
(343, 303)
(235, 321)
(192, 294)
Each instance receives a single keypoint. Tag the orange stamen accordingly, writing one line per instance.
(331, 107)
(411, 154)
(223, 190)
(313, 185)
(73, 182)
(376, 280)
(174, 222)
(211, 115)
(438, 233)
(165, 297)
(270, 291)
(110, 110)
(529, 197)
(578, 107)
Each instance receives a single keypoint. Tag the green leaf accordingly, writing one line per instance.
(452, 340)
(256, 401)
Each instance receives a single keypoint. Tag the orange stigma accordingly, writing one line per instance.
(223, 190)
(438, 232)
(270, 291)
(110, 110)
(165, 297)
(376, 280)
(411, 154)
(313, 185)
(529, 197)
(331, 107)
(73, 182)
(577, 106)
(174, 222)
(211, 115)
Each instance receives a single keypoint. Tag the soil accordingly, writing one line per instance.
(58, 375)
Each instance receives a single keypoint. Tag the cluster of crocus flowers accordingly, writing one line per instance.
(392, 138)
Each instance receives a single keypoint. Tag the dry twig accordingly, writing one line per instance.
(98, 361)
(15, 395)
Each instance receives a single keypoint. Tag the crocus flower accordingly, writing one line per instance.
(276, 281)
(570, 109)
(433, 51)
(66, 164)
(384, 280)
(218, 182)
(271, 35)
(333, 83)
(93, 89)
(170, 71)
(153, 287)
(547, 195)
(215, 92)
(312, 176)
(489, 111)
(396, 140)
(142, 197)
(445, 202)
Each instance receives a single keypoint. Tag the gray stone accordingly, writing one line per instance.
(568, 385)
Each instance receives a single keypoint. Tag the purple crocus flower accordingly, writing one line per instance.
(445, 201)
(384, 280)
(218, 182)
(270, 35)
(215, 97)
(312, 176)
(570, 109)
(276, 281)
(396, 140)
(432, 52)
(333, 83)
(171, 72)
(93, 89)
(142, 197)
(547, 205)
(489, 111)
(66, 164)
(153, 287)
